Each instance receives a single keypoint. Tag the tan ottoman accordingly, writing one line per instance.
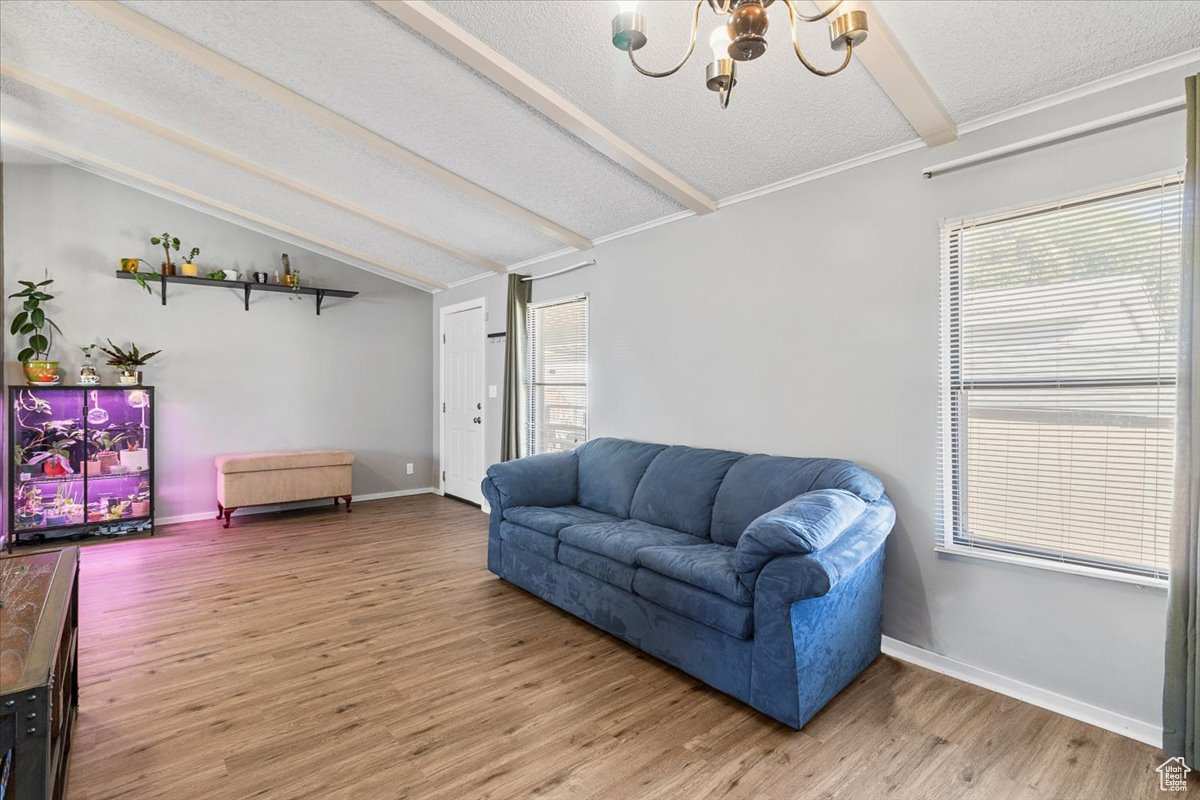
(255, 479)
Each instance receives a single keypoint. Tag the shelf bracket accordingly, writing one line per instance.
(247, 288)
(320, 299)
(163, 283)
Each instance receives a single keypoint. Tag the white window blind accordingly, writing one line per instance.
(1059, 343)
(558, 375)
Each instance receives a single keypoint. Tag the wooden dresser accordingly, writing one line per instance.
(39, 678)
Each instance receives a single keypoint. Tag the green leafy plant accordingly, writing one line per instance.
(192, 255)
(107, 441)
(141, 277)
(32, 321)
(217, 275)
(166, 241)
(129, 359)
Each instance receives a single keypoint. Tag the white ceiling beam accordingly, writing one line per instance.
(75, 155)
(50, 86)
(477, 55)
(163, 37)
(899, 78)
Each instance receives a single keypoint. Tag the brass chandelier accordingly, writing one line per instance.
(741, 38)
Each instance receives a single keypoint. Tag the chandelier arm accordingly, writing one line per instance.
(796, 15)
(691, 49)
(725, 7)
(800, 53)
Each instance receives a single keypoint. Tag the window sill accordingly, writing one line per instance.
(1053, 566)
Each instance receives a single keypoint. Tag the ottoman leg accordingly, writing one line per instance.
(345, 497)
(228, 514)
(220, 510)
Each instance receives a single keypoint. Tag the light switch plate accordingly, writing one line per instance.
(492, 392)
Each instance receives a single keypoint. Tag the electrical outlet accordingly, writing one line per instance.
(492, 394)
(408, 468)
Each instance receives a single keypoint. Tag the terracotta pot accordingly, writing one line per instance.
(168, 268)
(107, 461)
(43, 372)
(141, 508)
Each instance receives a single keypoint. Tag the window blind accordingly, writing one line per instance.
(558, 375)
(1059, 344)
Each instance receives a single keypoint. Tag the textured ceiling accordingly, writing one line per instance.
(361, 63)
(986, 56)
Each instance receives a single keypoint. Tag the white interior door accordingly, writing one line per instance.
(462, 395)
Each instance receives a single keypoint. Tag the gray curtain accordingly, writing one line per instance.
(1181, 689)
(512, 431)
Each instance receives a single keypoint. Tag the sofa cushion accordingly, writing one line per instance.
(802, 525)
(287, 459)
(759, 483)
(547, 479)
(552, 520)
(621, 541)
(707, 566)
(531, 541)
(704, 607)
(599, 567)
(609, 471)
(679, 486)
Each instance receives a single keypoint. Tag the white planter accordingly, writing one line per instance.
(136, 460)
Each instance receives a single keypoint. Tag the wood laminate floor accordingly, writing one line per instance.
(315, 654)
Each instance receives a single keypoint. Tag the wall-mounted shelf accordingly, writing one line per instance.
(246, 286)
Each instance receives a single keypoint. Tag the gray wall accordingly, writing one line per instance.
(805, 322)
(275, 378)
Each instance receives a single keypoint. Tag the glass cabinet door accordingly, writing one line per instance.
(49, 450)
(118, 454)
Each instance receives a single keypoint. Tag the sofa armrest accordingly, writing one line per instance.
(803, 525)
(548, 479)
(788, 577)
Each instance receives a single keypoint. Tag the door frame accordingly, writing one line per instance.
(443, 313)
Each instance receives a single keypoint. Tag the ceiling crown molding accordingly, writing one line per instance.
(163, 37)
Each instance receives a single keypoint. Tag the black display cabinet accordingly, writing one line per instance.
(82, 461)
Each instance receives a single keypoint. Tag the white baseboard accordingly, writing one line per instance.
(358, 498)
(1043, 698)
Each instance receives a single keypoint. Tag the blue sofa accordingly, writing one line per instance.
(760, 575)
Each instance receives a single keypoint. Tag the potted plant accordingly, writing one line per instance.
(31, 321)
(188, 267)
(28, 506)
(127, 361)
(104, 455)
(59, 512)
(134, 457)
(139, 501)
(166, 241)
(88, 376)
(58, 439)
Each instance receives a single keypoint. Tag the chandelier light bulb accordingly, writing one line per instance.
(719, 42)
(626, 6)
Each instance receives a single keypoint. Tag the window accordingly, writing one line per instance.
(1059, 343)
(558, 375)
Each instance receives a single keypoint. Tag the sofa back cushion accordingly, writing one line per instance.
(679, 487)
(609, 473)
(756, 484)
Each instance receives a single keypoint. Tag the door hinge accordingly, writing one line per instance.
(443, 408)
(443, 476)
(443, 338)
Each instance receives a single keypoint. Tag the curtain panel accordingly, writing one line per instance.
(1181, 693)
(513, 428)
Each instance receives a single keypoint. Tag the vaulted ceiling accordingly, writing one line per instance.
(337, 126)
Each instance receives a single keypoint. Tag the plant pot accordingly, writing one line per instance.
(91, 468)
(136, 460)
(27, 471)
(75, 516)
(168, 268)
(188, 270)
(141, 508)
(54, 520)
(105, 462)
(95, 516)
(44, 373)
(129, 265)
(54, 468)
(129, 377)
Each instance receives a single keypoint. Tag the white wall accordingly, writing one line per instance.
(275, 378)
(805, 322)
